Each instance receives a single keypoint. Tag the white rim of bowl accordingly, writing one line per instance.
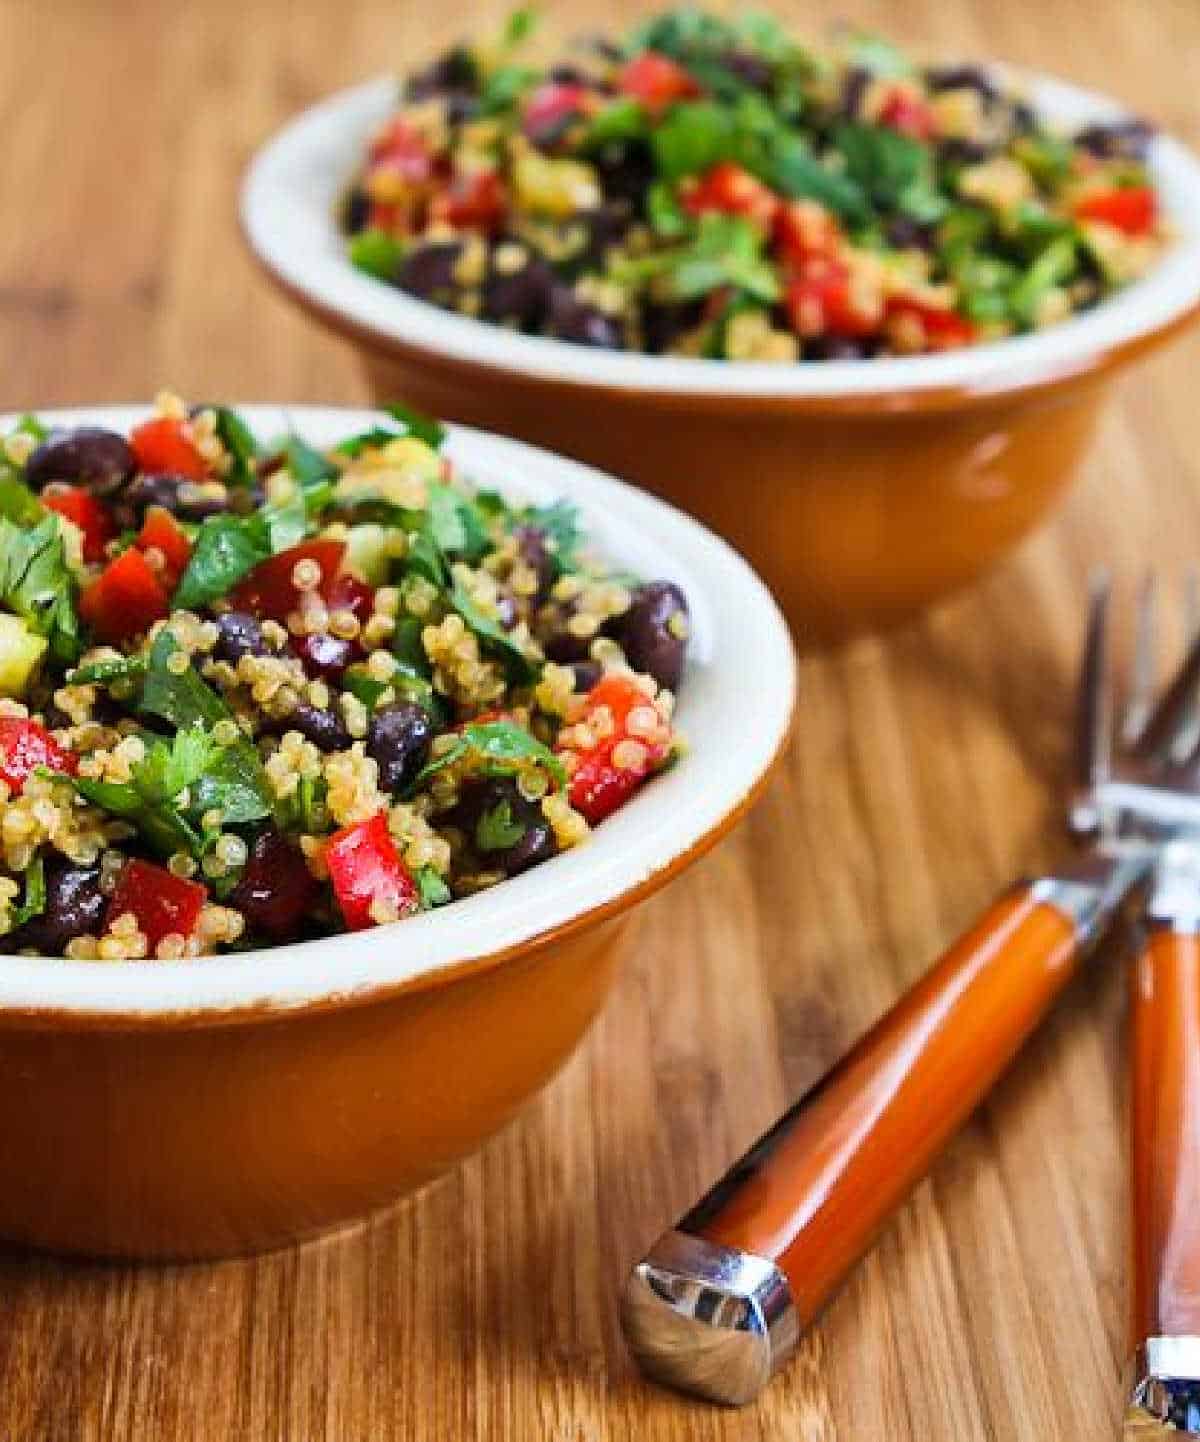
(288, 204)
(735, 707)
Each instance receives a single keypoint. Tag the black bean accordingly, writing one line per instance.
(751, 70)
(275, 888)
(1124, 140)
(461, 106)
(574, 320)
(626, 170)
(519, 296)
(662, 325)
(398, 742)
(325, 729)
(961, 77)
(454, 71)
(587, 674)
(75, 906)
(356, 209)
(531, 547)
(957, 151)
(649, 632)
(178, 494)
(567, 75)
(85, 456)
(840, 347)
(239, 634)
(854, 91)
(563, 646)
(427, 271)
(905, 233)
(478, 809)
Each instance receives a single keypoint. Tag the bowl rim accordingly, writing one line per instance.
(287, 206)
(740, 635)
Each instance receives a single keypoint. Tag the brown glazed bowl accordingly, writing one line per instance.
(860, 490)
(206, 1108)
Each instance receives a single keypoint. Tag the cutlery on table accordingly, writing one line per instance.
(720, 1301)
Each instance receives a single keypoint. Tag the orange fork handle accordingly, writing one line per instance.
(813, 1194)
(1165, 1145)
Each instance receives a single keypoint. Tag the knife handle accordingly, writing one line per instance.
(1165, 1176)
(719, 1301)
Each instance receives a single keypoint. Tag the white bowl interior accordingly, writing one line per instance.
(734, 707)
(289, 200)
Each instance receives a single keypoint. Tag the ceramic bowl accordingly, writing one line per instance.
(188, 1109)
(860, 490)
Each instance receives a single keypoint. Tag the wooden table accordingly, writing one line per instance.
(921, 779)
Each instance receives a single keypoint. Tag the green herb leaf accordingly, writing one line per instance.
(492, 637)
(415, 423)
(18, 503)
(503, 88)
(692, 138)
(100, 673)
(519, 26)
(664, 212)
(34, 902)
(620, 120)
(183, 700)
(37, 585)
(498, 829)
(226, 548)
(238, 439)
(432, 889)
(886, 164)
(500, 744)
(366, 440)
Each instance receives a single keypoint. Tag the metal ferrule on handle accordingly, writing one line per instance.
(1164, 1389)
(720, 1301)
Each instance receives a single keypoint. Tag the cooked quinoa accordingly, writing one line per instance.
(252, 692)
(714, 187)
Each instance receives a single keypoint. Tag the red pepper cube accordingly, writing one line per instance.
(24, 747)
(164, 446)
(822, 301)
(471, 202)
(656, 81)
(125, 599)
(162, 903)
(270, 589)
(84, 510)
(163, 533)
(804, 229)
(599, 785)
(730, 190)
(944, 329)
(367, 872)
(1132, 209)
(909, 115)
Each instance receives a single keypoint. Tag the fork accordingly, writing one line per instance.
(720, 1301)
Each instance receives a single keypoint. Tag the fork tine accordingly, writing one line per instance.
(1093, 721)
(1141, 694)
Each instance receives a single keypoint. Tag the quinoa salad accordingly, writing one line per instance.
(252, 692)
(717, 188)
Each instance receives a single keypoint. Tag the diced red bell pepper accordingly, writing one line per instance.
(908, 114)
(1131, 208)
(269, 589)
(126, 597)
(387, 217)
(471, 202)
(550, 105)
(162, 532)
(348, 593)
(162, 903)
(730, 190)
(598, 785)
(402, 149)
(656, 81)
(24, 746)
(164, 446)
(804, 229)
(84, 510)
(365, 868)
(822, 301)
(944, 329)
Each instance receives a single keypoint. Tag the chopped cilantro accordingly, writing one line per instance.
(37, 585)
(498, 829)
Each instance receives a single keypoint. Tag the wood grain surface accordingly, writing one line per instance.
(922, 777)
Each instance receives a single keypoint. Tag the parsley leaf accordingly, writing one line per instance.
(415, 423)
(492, 637)
(226, 549)
(35, 894)
(37, 585)
(238, 439)
(559, 524)
(431, 888)
(149, 799)
(497, 744)
(498, 829)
